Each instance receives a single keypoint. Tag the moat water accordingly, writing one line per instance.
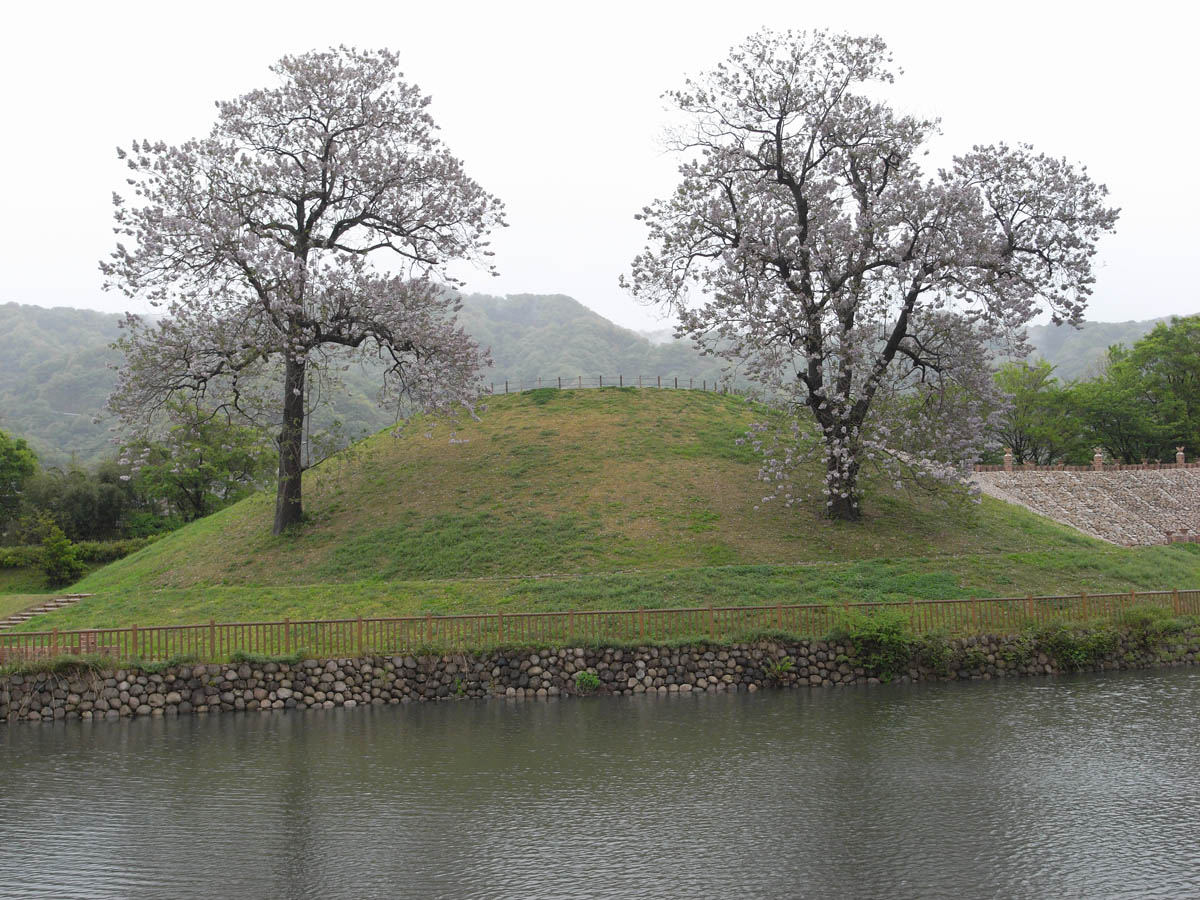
(1084, 786)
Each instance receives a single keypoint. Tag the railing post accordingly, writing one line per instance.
(571, 627)
(429, 629)
(54, 642)
(287, 635)
(779, 616)
(1175, 600)
(359, 636)
(712, 623)
(912, 614)
(1029, 607)
(641, 623)
(499, 628)
(212, 640)
(1083, 606)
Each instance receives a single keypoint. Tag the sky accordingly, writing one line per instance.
(556, 108)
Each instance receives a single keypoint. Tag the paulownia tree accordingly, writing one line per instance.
(832, 269)
(259, 241)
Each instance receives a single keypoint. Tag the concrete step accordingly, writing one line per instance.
(49, 605)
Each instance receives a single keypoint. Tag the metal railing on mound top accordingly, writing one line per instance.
(324, 638)
(576, 382)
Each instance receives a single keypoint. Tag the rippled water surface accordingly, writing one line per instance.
(1070, 787)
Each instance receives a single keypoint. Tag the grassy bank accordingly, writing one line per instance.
(583, 500)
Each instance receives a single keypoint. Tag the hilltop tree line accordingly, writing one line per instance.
(1142, 406)
(150, 488)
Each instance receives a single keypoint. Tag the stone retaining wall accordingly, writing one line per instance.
(325, 684)
(1131, 508)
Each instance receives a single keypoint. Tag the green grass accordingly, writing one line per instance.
(589, 499)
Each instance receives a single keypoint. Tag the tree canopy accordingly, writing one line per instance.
(805, 243)
(259, 241)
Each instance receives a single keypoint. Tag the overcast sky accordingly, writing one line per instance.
(556, 109)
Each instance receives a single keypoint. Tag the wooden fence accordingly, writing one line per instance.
(214, 641)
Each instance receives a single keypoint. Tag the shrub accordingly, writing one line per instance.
(586, 682)
(60, 561)
(882, 640)
(778, 670)
(932, 650)
(1076, 648)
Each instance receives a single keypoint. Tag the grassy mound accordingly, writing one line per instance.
(595, 498)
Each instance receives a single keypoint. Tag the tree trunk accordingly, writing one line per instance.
(843, 479)
(288, 510)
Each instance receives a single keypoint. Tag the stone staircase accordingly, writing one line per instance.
(48, 606)
(1128, 507)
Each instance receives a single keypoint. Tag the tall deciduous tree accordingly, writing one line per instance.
(1038, 422)
(259, 240)
(834, 270)
(17, 465)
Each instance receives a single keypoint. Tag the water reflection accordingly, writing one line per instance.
(1066, 787)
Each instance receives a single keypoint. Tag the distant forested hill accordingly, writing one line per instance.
(1075, 352)
(55, 375)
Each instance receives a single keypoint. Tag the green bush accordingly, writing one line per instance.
(933, 651)
(882, 639)
(586, 682)
(1077, 648)
(60, 561)
(30, 556)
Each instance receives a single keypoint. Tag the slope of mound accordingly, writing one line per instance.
(546, 482)
(595, 498)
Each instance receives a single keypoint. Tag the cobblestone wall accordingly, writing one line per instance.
(545, 674)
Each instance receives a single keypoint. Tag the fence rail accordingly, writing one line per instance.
(675, 382)
(213, 642)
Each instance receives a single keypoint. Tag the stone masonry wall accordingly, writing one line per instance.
(314, 684)
(1130, 507)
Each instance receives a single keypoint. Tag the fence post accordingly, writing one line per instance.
(620, 381)
(287, 635)
(912, 614)
(560, 382)
(641, 623)
(660, 381)
(1029, 607)
(676, 382)
(506, 387)
(779, 616)
(1175, 600)
(571, 627)
(1083, 607)
(133, 640)
(54, 642)
(499, 628)
(429, 628)
(212, 640)
(601, 381)
(359, 635)
(712, 623)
